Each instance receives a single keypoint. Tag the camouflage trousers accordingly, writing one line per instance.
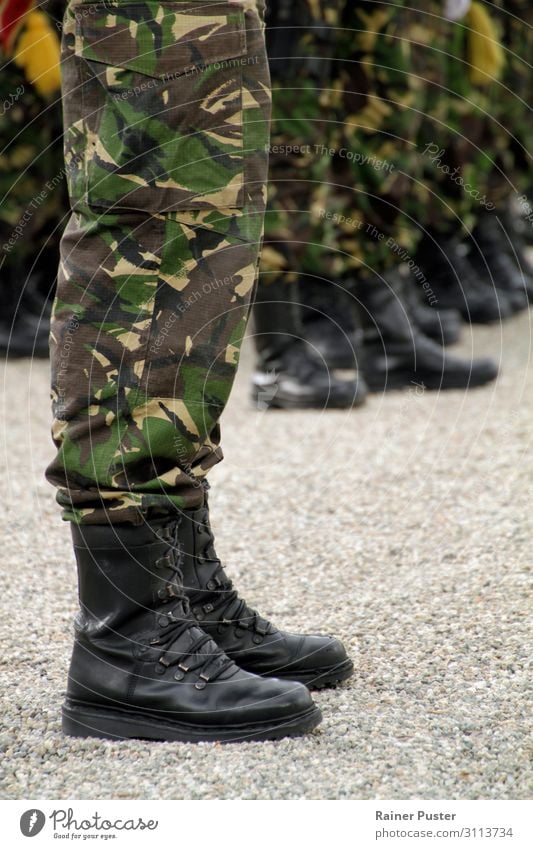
(348, 106)
(379, 134)
(473, 140)
(167, 110)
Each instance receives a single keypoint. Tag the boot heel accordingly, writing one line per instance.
(80, 723)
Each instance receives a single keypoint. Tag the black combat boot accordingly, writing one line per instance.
(492, 255)
(289, 374)
(332, 323)
(335, 330)
(332, 326)
(515, 235)
(143, 667)
(398, 354)
(26, 336)
(250, 640)
(24, 318)
(443, 326)
(457, 285)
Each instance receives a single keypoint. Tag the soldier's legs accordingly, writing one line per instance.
(367, 110)
(167, 113)
(346, 189)
(290, 372)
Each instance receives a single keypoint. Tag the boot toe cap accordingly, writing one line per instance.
(320, 652)
(485, 370)
(272, 699)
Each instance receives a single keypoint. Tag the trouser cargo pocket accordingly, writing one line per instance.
(162, 104)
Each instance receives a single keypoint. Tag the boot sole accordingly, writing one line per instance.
(431, 382)
(108, 724)
(281, 402)
(318, 679)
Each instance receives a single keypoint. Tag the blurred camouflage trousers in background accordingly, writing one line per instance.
(345, 118)
(348, 185)
(455, 111)
(475, 158)
(375, 177)
(474, 128)
(166, 131)
(378, 127)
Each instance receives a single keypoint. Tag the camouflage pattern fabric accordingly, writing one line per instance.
(450, 156)
(410, 108)
(167, 108)
(300, 39)
(474, 139)
(379, 134)
(379, 102)
(347, 109)
(454, 164)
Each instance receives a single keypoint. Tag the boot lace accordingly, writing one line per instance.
(226, 602)
(174, 623)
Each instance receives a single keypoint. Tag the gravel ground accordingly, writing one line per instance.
(403, 527)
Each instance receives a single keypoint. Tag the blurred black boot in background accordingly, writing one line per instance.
(398, 353)
(458, 285)
(491, 253)
(290, 374)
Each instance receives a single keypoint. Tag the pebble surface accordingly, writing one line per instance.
(403, 527)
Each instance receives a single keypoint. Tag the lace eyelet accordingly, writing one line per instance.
(179, 675)
(207, 608)
(258, 639)
(211, 585)
(163, 562)
(201, 685)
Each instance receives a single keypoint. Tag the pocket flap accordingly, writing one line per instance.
(160, 39)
